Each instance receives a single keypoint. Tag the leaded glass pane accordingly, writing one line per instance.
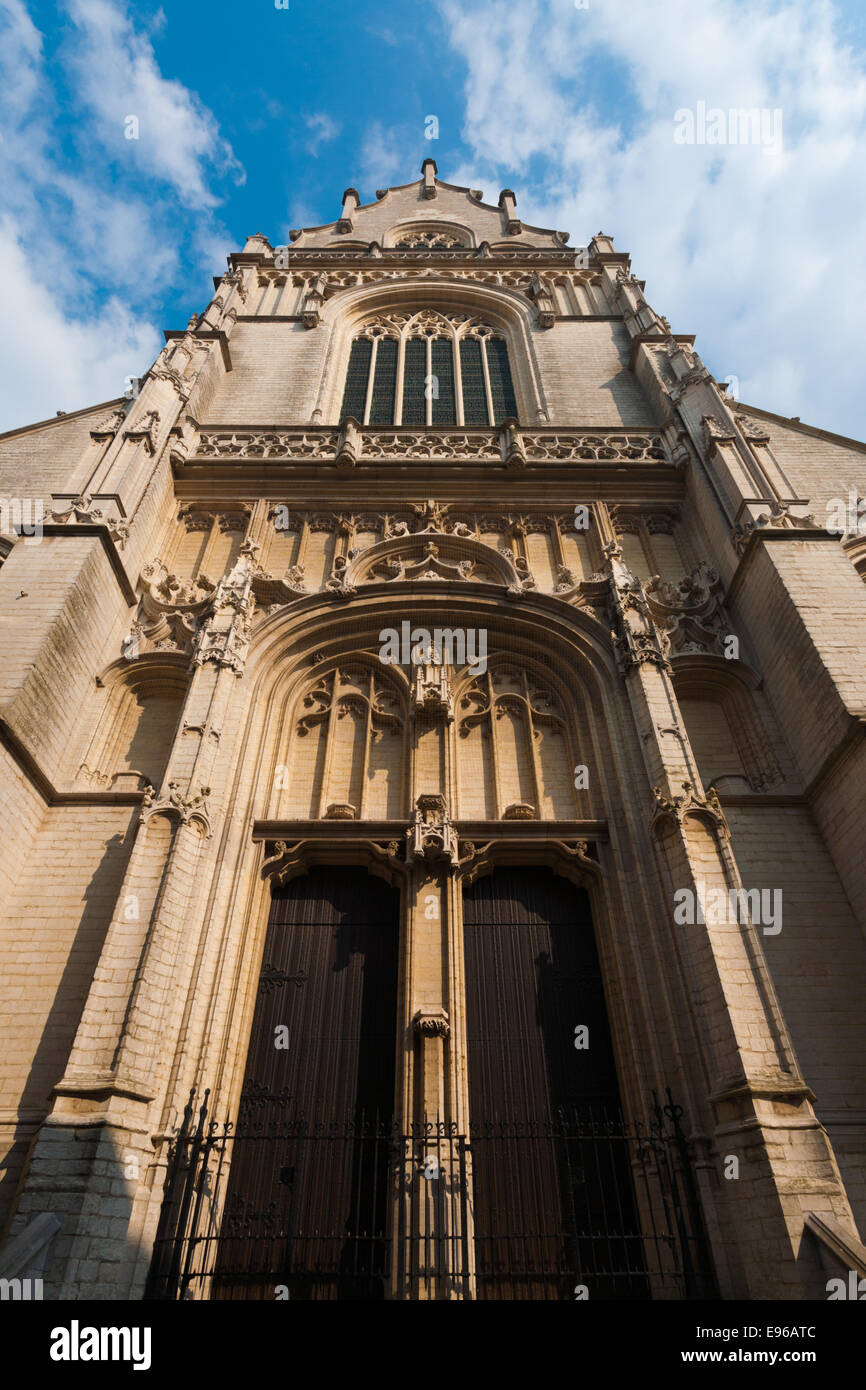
(472, 377)
(384, 383)
(414, 371)
(501, 387)
(445, 408)
(355, 394)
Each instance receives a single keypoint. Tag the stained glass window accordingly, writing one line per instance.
(480, 372)
(355, 394)
(501, 388)
(414, 372)
(445, 408)
(472, 376)
(384, 383)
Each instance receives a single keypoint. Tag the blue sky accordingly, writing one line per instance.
(256, 118)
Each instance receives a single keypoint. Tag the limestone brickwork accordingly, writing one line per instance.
(193, 706)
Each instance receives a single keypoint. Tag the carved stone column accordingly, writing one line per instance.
(115, 1093)
(440, 1197)
(760, 1102)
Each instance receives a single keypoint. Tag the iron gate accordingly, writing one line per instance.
(424, 1233)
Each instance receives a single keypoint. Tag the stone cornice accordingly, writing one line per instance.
(66, 416)
(88, 528)
(351, 447)
(349, 830)
(401, 255)
(46, 788)
(813, 431)
(768, 533)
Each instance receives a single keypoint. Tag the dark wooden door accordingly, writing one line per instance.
(307, 1201)
(553, 1200)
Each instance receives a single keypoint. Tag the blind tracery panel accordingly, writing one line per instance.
(514, 756)
(347, 748)
(429, 369)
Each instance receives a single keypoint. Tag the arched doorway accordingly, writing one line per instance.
(554, 1205)
(306, 1209)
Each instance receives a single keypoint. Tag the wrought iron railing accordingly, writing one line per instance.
(579, 1206)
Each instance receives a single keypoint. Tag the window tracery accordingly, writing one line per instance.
(428, 368)
(432, 239)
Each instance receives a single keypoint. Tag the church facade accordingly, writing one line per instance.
(432, 718)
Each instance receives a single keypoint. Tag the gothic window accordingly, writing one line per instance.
(347, 750)
(429, 240)
(355, 397)
(428, 369)
(513, 754)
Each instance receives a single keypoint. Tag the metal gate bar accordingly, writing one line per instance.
(430, 1214)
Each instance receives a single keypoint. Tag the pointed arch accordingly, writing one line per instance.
(506, 314)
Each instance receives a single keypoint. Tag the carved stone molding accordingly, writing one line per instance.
(431, 1022)
(145, 430)
(636, 638)
(779, 517)
(433, 692)
(717, 431)
(688, 803)
(288, 858)
(84, 511)
(752, 430)
(694, 376)
(195, 520)
(224, 636)
(431, 838)
(519, 810)
(542, 296)
(176, 806)
(577, 859)
(109, 424)
(690, 614)
(164, 372)
(170, 610)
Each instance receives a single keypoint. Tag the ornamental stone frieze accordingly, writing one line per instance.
(510, 444)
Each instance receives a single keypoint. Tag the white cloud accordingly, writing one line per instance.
(323, 128)
(118, 76)
(759, 253)
(54, 360)
(90, 251)
(383, 158)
